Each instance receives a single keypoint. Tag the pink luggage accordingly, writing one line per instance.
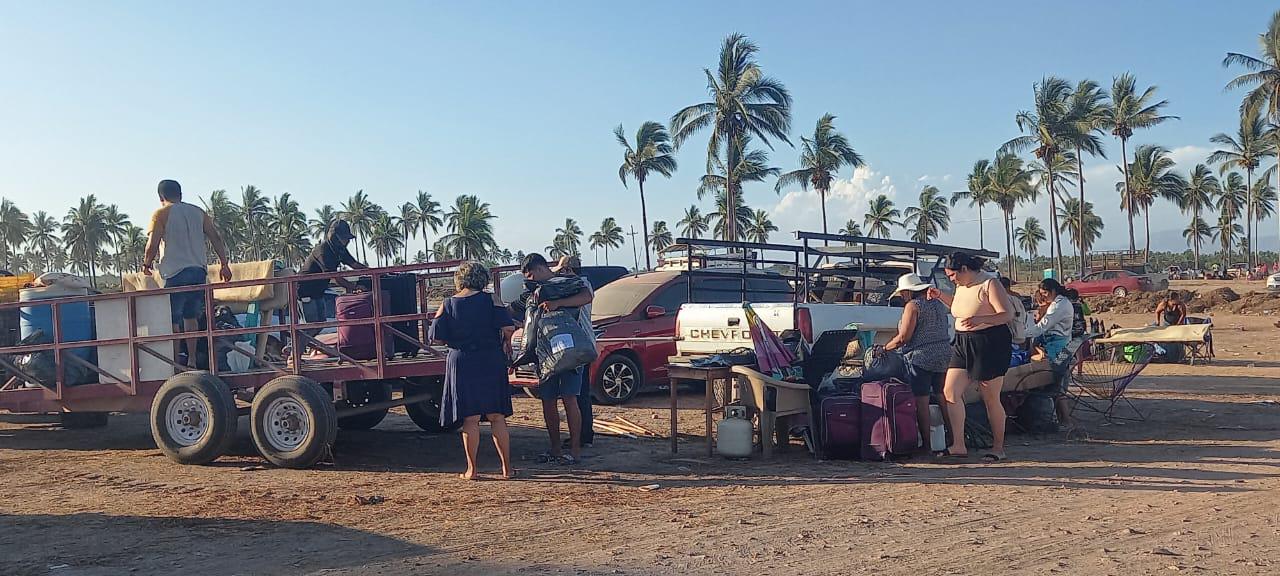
(888, 416)
(841, 432)
(357, 341)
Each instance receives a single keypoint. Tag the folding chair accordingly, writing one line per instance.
(1098, 385)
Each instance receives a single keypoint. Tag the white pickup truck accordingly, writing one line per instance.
(712, 328)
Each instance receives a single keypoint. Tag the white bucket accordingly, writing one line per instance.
(937, 429)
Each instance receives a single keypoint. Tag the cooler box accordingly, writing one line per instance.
(75, 318)
(153, 319)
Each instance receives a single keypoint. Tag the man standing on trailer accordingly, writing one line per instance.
(179, 232)
(327, 256)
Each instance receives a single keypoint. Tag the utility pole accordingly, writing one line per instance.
(634, 255)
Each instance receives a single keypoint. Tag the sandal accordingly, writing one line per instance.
(992, 458)
(567, 460)
(947, 456)
(545, 458)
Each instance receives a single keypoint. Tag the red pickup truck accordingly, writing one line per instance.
(1116, 282)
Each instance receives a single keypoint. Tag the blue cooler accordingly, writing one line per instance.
(76, 320)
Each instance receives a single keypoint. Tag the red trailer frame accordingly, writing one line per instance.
(114, 394)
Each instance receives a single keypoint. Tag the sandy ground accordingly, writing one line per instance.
(1195, 489)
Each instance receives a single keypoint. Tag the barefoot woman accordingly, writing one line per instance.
(982, 349)
(478, 335)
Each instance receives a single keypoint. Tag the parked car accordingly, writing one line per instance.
(1273, 282)
(1116, 282)
(635, 322)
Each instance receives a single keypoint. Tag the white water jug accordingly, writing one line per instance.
(937, 429)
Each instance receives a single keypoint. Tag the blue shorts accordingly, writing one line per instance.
(187, 305)
(925, 382)
(562, 385)
(1052, 345)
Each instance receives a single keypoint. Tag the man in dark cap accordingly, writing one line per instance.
(327, 256)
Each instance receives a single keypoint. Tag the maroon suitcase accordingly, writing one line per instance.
(357, 341)
(841, 430)
(888, 420)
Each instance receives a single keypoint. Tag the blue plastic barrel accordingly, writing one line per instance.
(76, 320)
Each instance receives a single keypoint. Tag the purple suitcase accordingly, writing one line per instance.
(357, 341)
(888, 420)
(841, 431)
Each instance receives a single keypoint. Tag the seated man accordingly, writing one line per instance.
(327, 256)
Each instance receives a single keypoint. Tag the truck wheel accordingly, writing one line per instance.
(1120, 291)
(617, 381)
(293, 422)
(83, 420)
(426, 414)
(193, 418)
(360, 394)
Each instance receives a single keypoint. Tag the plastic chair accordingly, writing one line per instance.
(1098, 385)
(774, 400)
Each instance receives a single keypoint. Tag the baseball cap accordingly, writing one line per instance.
(341, 230)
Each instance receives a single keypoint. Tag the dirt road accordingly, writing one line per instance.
(1195, 490)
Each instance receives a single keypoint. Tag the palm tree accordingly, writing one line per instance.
(440, 250)
(84, 232)
(116, 226)
(319, 226)
(1150, 176)
(851, 228)
(1029, 236)
(1060, 172)
(253, 211)
(978, 193)
(821, 158)
(1244, 151)
(608, 236)
(227, 220)
(569, 236)
(286, 230)
(134, 248)
(651, 153)
(42, 238)
(1087, 105)
(1225, 233)
(428, 215)
(1048, 127)
(470, 227)
(760, 227)
(661, 236)
(385, 238)
(880, 216)
(719, 218)
(693, 224)
(1230, 203)
(743, 102)
(14, 229)
(753, 166)
(556, 249)
(1202, 188)
(1070, 214)
(410, 219)
(931, 218)
(361, 213)
(1130, 111)
(1262, 203)
(1263, 77)
(1010, 186)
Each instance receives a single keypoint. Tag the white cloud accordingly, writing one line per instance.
(847, 200)
(924, 178)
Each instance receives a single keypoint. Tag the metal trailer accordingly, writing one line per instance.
(296, 406)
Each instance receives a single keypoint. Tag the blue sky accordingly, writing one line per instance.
(515, 102)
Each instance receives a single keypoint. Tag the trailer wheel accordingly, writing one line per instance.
(426, 414)
(293, 421)
(83, 420)
(193, 418)
(361, 394)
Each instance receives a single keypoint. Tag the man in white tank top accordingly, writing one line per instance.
(178, 235)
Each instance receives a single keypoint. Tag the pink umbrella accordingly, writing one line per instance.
(772, 356)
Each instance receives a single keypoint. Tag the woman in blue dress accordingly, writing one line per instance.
(478, 334)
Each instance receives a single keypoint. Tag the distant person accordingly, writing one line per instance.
(925, 344)
(178, 236)
(327, 256)
(565, 386)
(1052, 331)
(983, 348)
(1079, 312)
(478, 334)
(1171, 311)
(1018, 326)
(572, 266)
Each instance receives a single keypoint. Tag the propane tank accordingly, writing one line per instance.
(937, 429)
(734, 433)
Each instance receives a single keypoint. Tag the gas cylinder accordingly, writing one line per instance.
(734, 433)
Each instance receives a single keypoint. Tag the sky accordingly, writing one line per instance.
(516, 102)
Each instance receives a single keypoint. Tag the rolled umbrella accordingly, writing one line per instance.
(772, 356)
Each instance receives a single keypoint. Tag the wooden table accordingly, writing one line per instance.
(679, 368)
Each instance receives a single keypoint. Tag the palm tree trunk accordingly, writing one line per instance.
(730, 205)
(1248, 218)
(406, 245)
(823, 195)
(1008, 244)
(982, 236)
(1055, 243)
(644, 223)
(426, 245)
(1133, 248)
(1146, 216)
(1124, 167)
(1080, 216)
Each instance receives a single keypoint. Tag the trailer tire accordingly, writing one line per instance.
(83, 420)
(426, 414)
(362, 394)
(193, 418)
(293, 421)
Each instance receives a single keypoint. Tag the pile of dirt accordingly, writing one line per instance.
(1222, 299)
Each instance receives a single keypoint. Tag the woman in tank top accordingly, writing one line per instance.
(925, 344)
(982, 348)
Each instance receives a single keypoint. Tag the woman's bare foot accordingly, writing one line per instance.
(508, 473)
(468, 475)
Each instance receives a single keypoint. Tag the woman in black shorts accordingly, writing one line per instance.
(982, 348)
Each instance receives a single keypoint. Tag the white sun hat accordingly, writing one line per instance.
(912, 282)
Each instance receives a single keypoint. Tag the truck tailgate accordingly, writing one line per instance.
(711, 328)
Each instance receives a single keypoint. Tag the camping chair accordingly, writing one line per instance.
(774, 400)
(1098, 385)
